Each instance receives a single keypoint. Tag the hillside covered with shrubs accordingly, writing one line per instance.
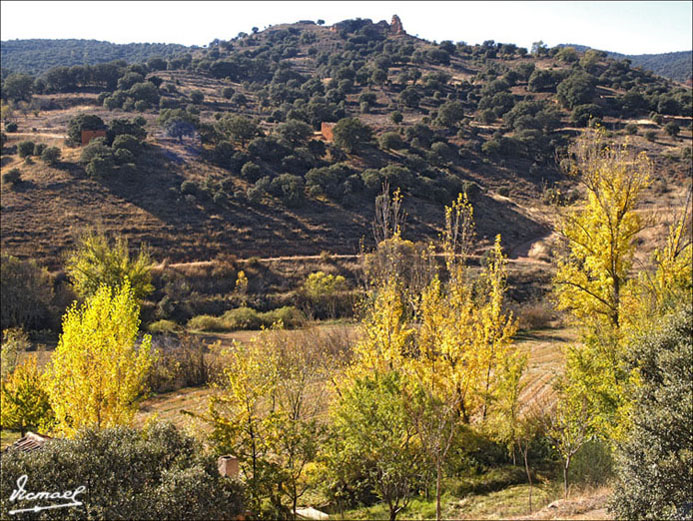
(284, 137)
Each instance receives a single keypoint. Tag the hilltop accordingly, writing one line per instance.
(239, 156)
(36, 56)
(673, 65)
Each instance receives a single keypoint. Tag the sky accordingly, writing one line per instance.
(627, 27)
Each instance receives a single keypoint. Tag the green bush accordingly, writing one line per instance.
(100, 167)
(289, 316)
(96, 148)
(249, 318)
(289, 188)
(123, 156)
(127, 142)
(11, 126)
(38, 149)
(207, 323)
(655, 462)
(51, 155)
(251, 171)
(672, 129)
(12, 177)
(631, 129)
(391, 141)
(25, 148)
(243, 318)
(156, 473)
(168, 327)
(491, 148)
(197, 96)
(651, 135)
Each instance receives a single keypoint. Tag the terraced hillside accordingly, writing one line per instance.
(435, 119)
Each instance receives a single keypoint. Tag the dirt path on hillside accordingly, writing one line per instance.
(38, 134)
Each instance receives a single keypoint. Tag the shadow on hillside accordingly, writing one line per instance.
(197, 227)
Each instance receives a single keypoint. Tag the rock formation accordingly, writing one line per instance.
(396, 25)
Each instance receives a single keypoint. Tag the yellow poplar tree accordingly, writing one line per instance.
(496, 328)
(387, 336)
(98, 372)
(594, 279)
(672, 281)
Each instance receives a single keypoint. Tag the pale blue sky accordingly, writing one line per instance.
(626, 27)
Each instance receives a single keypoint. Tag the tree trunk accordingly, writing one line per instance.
(565, 478)
(529, 477)
(438, 473)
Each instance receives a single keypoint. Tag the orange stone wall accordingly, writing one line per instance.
(326, 130)
(88, 135)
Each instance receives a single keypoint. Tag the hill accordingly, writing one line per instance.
(36, 56)
(673, 65)
(239, 156)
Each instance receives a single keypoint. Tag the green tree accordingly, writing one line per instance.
(238, 129)
(51, 155)
(98, 371)
(410, 97)
(178, 128)
(567, 55)
(24, 400)
(654, 462)
(25, 148)
(98, 260)
(450, 113)
(371, 430)
(144, 91)
(18, 87)
(391, 141)
(576, 89)
(295, 132)
(26, 292)
(350, 134)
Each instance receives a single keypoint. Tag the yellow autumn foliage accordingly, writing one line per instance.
(98, 371)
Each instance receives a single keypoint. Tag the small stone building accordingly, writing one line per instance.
(88, 135)
(326, 131)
